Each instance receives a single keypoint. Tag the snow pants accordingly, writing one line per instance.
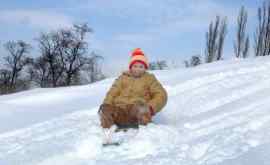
(120, 116)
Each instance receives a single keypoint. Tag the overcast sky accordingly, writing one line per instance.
(164, 29)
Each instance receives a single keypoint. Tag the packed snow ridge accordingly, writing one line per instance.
(216, 114)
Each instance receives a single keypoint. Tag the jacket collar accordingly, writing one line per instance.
(128, 73)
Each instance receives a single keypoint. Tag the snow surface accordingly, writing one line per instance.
(216, 114)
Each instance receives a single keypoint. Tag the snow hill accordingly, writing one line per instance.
(217, 114)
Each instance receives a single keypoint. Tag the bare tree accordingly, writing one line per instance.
(75, 50)
(221, 38)
(50, 47)
(195, 60)
(15, 62)
(241, 45)
(211, 40)
(262, 34)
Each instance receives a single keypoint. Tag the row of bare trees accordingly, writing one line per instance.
(64, 60)
(218, 28)
(158, 65)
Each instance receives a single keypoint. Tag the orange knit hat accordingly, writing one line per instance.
(138, 56)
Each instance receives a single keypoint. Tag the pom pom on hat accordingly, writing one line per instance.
(137, 51)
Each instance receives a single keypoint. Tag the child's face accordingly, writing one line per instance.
(137, 69)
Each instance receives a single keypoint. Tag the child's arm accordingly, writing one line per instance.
(113, 91)
(158, 94)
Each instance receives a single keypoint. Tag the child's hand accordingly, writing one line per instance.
(145, 118)
(143, 114)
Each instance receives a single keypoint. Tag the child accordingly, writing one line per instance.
(135, 96)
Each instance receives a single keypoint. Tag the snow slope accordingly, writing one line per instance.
(216, 114)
